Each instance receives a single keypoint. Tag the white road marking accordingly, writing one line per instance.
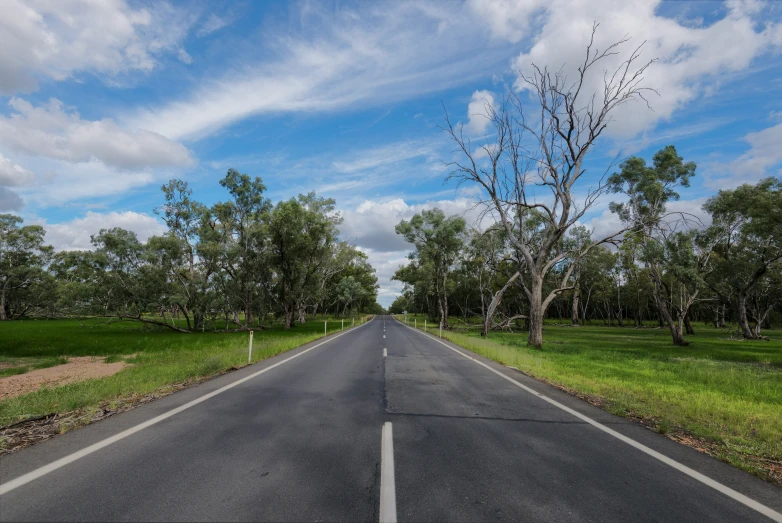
(384, 336)
(385, 352)
(70, 458)
(387, 482)
(741, 498)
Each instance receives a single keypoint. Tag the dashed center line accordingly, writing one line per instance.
(387, 481)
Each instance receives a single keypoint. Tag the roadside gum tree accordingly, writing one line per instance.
(438, 241)
(241, 222)
(23, 258)
(536, 162)
(649, 188)
(183, 217)
(300, 234)
(747, 231)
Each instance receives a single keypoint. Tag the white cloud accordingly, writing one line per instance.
(211, 24)
(62, 182)
(50, 131)
(13, 175)
(371, 224)
(58, 38)
(478, 111)
(765, 150)
(352, 57)
(691, 59)
(384, 155)
(9, 200)
(75, 234)
(759, 161)
(507, 19)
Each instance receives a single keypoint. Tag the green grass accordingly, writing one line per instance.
(162, 357)
(726, 392)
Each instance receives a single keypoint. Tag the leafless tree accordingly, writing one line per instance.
(530, 174)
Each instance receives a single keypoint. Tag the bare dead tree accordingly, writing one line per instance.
(530, 175)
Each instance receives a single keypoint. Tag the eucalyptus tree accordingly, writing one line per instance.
(135, 279)
(23, 261)
(419, 289)
(319, 263)
(301, 233)
(747, 233)
(349, 291)
(499, 270)
(536, 163)
(185, 218)
(240, 226)
(438, 242)
(359, 268)
(649, 189)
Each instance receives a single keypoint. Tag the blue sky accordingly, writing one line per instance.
(103, 101)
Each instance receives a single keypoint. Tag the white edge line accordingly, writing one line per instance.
(387, 482)
(70, 458)
(738, 496)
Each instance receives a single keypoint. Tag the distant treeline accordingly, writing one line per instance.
(242, 261)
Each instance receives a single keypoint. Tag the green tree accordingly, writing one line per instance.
(185, 218)
(649, 189)
(747, 233)
(301, 232)
(349, 291)
(23, 261)
(240, 225)
(437, 241)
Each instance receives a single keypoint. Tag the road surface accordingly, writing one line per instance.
(379, 422)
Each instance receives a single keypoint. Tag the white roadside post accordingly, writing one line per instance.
(441, 329)
(324, 328)
(250, 353)
(424, 325)
(352, 322)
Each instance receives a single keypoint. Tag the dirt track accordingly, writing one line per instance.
(77, 369)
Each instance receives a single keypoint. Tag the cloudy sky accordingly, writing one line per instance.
(101, 101)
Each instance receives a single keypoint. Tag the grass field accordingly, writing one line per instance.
(159, 357)
(726, 392)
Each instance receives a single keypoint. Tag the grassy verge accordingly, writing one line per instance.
(159, 358)
(720, 395)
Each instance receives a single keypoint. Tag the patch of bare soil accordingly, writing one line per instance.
(77, 369)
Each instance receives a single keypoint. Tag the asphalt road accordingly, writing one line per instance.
(301, 441)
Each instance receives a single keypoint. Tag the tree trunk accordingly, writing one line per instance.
(746, 331)
(186, 314)
(574, 310)
(288, 310)
(248, 309)
(535, 321)
(665, 313)
(3, 314)
(444, 305)
(495, 302)
(688, 324)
